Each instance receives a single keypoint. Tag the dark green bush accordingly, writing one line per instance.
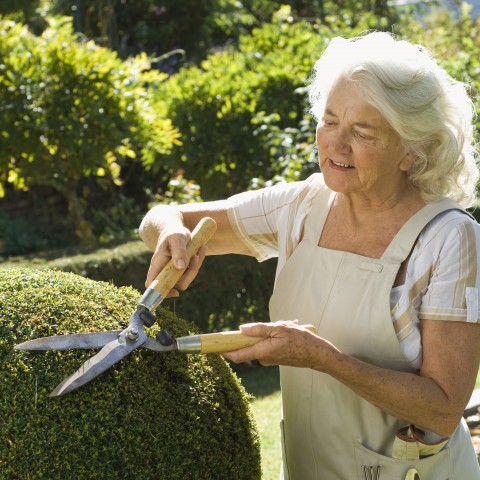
(229, 290)
(26, 7)
(17, 236)
(122, 265)
(162, 27)
(151, 416)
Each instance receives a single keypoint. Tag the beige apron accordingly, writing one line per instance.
(328, 432)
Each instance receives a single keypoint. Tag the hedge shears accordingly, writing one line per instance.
(116, 345)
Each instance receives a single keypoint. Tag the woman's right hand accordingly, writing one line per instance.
(166, 230)
(172, 244)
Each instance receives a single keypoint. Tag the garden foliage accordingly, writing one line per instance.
(175, 31)
(72, 109)
(227, 107)
(151, 416)
(242, 112)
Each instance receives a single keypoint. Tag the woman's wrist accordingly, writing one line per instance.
(158, 219)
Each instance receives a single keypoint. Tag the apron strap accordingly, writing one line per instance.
(318, 214)
(402, 244)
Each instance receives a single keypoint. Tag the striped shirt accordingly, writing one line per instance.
(442, 280)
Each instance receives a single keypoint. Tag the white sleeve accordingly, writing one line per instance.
(269, 220)
(453, 290)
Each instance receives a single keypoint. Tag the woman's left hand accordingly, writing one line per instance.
(285, 343)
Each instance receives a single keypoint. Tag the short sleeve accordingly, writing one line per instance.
(269, 221)
(453, 290)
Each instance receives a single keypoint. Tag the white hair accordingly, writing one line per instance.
(430, 111)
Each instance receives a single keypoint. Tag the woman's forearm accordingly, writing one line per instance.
(414, 398)
(435, 399)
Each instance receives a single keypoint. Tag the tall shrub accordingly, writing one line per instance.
(72, 109)
(216, 106)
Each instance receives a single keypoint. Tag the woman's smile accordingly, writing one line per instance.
(340, 165)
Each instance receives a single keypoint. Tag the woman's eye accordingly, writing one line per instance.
(362, 136)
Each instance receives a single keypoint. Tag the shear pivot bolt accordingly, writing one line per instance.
(132, 334)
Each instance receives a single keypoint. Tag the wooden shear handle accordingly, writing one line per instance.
(169, 276)
(220, 342)
(229, 341)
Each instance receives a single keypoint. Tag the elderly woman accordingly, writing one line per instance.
(378, 253)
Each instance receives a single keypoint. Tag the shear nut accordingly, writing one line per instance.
(132, 334)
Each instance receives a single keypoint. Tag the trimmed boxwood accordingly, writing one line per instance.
(151, 416)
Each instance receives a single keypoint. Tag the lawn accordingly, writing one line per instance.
(264, 384)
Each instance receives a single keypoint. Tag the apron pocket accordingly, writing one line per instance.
(371, 465)
(410, 444)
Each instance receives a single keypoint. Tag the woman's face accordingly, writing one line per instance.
(359, 152)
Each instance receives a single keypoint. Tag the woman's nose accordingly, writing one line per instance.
(342, 141)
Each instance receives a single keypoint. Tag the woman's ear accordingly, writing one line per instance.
(407, 161)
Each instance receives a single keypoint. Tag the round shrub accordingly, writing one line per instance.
(150, 416)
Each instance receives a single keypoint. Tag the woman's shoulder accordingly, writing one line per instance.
(269, 220)
(449, 220)
(445, 267)
(453, 228)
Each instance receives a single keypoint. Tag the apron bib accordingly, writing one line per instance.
(329, 432)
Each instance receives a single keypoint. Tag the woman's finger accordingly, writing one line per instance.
(178, 249)
(193, 268)
(169, 246)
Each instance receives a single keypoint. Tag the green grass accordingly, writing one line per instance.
(264, 384)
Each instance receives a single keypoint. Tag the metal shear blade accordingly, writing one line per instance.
(110, 354)
(85, 341)
(94, 366)
(71, 341)
(114, 345)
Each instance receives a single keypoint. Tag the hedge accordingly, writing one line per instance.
(150, 416)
